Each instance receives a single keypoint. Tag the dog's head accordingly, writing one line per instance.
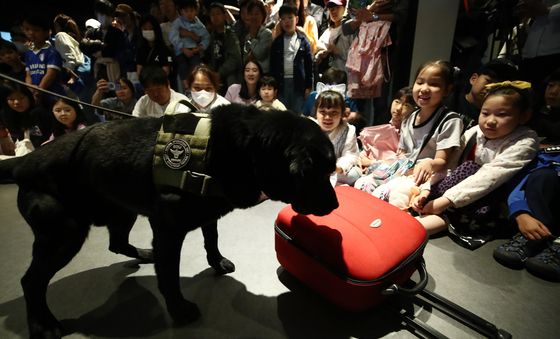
(296, 164)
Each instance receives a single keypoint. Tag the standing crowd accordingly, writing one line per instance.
(478, 159)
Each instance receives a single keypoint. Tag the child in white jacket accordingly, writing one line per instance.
(330, 110)
(503, 147)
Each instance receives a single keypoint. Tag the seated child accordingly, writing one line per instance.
(503, 147)
(468, 102)
(330, 111)
(68, 117)
(533, 207)
(532, 203)
(331, 77)
(268, 91)
(431, 133)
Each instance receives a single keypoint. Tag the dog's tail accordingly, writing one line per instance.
(7, 169)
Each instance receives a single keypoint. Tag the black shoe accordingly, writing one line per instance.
(515, 252)
(546, 264)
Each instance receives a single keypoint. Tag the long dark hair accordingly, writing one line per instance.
(68, 25)
(16, 122)
(156, 27)
(244, 91)
(59, 128)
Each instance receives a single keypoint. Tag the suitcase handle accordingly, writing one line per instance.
(420, 285)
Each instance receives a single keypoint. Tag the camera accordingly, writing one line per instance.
(113, 86)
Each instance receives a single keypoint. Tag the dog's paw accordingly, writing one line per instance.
(183, 312)
(51, 330)
(145, 255)
(222, 265)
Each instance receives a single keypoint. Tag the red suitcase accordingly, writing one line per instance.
(355, 256)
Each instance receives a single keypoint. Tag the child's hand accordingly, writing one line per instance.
(102, 85)
(436, 206)
(365, 161)
(531, 228)
(422, 172)
(419, 201)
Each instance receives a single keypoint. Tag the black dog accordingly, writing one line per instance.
(103, 175)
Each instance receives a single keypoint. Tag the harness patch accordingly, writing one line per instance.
(176, 154)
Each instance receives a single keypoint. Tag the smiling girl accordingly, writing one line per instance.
(503, 147)
(428, 136)
(433, 83)
(247, 92)
(330, 111)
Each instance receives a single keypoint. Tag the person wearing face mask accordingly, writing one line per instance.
(152, 49)
(158, 94)
(204, 83)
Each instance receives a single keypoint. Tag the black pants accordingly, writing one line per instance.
(542, 194)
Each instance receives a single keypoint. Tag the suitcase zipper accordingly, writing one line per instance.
(405, 262)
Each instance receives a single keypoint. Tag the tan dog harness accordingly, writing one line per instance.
(181, 152)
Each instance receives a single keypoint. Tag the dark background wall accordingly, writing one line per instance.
(13, 11)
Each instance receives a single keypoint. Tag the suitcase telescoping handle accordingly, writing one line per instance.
(423, 273)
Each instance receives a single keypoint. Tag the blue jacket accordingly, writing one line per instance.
(303, 63)
(517, 201)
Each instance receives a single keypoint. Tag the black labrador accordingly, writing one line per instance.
(103, 175)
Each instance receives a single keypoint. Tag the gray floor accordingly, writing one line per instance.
(104, 295)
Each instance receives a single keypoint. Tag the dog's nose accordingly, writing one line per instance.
(327, 209)
(319, 209)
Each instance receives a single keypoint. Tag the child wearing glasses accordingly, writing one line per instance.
(330, 111)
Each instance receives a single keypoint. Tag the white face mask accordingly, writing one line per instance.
(149, 35)
(203, 98)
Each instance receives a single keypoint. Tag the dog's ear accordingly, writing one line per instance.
(299, 166)
(300, 160)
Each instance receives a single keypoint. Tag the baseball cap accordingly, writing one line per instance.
(92, 23)
(124, 8)
(331, 3)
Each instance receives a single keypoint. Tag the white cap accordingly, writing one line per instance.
(93, 23)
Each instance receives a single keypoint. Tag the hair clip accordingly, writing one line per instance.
(515, 84)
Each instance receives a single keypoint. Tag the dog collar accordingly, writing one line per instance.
(181, 152)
